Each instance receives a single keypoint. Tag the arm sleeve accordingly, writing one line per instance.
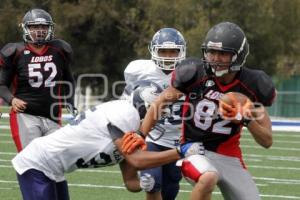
(6, 74)
(68, 76)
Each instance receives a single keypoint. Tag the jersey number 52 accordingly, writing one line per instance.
(36, 78)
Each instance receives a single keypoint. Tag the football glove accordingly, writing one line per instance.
(190, 148)
(132, 141)
(147, 182)
(227, 111)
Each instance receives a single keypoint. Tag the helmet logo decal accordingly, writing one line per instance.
(40, 20)
(215, 45)
(26, 52)
(209, 83)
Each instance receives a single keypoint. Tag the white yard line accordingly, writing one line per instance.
(273, 148)
(292, 181)
(275, 158)
(275, 141)
(183, 191)
(4, 127)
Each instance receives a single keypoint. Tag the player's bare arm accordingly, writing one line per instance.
(144, 159)
(169, 95)
(261, 127)
(130, 177)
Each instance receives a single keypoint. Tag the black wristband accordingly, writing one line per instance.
(140, 133)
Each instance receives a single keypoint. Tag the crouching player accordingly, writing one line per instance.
(93, 139)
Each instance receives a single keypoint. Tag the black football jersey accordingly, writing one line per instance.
(36, 77)
(201, 120)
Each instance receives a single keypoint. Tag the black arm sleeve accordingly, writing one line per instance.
(69, 89)
(7, 71)
(6, 94)
(67, 74)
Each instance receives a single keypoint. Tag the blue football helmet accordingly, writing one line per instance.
(142, 94)
(37, 17)
(167, 38)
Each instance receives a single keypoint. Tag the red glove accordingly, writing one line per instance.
(131, 142)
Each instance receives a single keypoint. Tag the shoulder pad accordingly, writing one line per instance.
(138, 69)
(62, 44)
(261, 84)
(187, 72)
(137, 66)
(11, 48)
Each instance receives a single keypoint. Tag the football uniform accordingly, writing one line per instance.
(85, 142)
(167, 130)
(36, 79)
(35, 76)
(202, 120)
(220, 137)
(164, 135)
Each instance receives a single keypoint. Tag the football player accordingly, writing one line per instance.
(93, 139)
(167, 48)
(36, 69)
(225, 49)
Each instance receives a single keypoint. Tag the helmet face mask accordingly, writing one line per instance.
(221, 65)
(167, 39)
(225, 37)
(37, 26)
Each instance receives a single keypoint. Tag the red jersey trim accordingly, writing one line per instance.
(224, 88)
(2, 63)
(184, 111)
(44, 50)
(15, 130)
(231, 147)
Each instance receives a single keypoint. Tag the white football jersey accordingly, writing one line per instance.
(167, 131)
(83, 143)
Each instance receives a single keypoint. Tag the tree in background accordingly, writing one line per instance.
(106, 35)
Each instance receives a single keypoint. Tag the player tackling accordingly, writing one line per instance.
(93, 139)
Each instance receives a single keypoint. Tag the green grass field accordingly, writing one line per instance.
(276, 172)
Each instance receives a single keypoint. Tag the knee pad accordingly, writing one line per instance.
(194, 166)
(147, 183)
